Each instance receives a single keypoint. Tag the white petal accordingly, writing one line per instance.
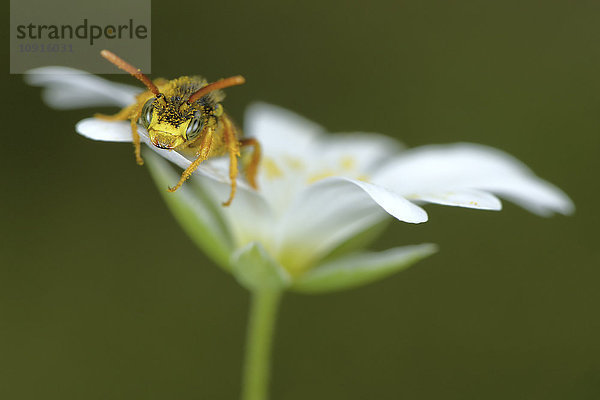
(331, 211)
(357, 152)
(322, 217)
(393, 203)
(279, 130)
(68, 88)
(107, 131)
(468, 198)
(534, 194)
(288, 142)
(297, 152)
(441, 169)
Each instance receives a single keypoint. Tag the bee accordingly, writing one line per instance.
(186, 115)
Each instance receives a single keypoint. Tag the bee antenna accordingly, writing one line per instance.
(220, 84)
(125, 66)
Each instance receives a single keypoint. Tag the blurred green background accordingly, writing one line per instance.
(91, 308)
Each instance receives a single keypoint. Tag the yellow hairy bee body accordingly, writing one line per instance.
(185, 114)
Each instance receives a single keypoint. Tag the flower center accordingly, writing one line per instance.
(346, 166)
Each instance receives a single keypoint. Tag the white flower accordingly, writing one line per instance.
(317, 191)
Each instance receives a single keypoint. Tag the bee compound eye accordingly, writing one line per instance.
(194, 127)
(147, 111)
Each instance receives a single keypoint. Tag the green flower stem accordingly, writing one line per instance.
(261, 326)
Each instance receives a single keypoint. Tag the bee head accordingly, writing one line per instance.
(171, 121)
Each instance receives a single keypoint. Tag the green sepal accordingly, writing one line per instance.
(256, 270)
(359, 269)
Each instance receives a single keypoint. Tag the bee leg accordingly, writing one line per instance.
(132, 113)
(204, 150)
(252, 168)
(135, 116)
(136, 142)
(233, 148)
